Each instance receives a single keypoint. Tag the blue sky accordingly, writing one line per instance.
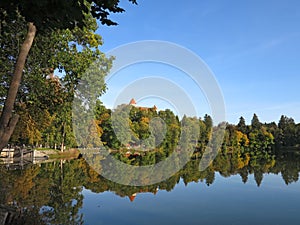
(252, 47)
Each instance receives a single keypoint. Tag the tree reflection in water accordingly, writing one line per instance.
(52, 193)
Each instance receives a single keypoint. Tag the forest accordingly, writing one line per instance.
(158, 131)
(38, 111)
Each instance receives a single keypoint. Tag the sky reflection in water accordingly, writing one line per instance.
(226, 201)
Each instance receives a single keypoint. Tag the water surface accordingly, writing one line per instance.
(266, 191)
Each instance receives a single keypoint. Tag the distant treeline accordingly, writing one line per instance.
(152, 128)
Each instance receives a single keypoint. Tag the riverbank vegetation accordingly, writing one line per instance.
(154, 134)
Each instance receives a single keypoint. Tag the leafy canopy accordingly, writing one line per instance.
(57, 14)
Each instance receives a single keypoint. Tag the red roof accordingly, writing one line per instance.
(133, 102)
(132, 197)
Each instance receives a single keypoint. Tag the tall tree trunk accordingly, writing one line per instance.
(8, 120)
(62, 146)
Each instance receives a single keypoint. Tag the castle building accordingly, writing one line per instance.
(133, 103)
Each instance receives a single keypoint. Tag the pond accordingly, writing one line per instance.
(72, 192)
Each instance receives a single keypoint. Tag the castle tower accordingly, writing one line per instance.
(132, 197)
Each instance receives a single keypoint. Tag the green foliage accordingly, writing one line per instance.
(51, 15)
(242, 125)
(44, 101)
(287, 135)
(13, 31)
(255, 124)
(66, 41)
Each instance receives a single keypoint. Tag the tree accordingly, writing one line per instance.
(255, 124)
(172, 134)
(288, 131)
(260, 140)
(190, 132)
(242, 125)
(43, 96)
(209, 126)
(202, 135)
(44, 16)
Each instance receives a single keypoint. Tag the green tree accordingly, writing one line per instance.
(121, 124)
(255, 123)
(260, 140)
(209, 126)
(45, 96)
(241, 126)
(173, 131)
(44, 16)
(287, 129)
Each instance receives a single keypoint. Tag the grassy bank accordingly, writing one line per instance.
(57, 154)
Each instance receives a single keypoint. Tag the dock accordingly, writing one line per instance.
(17, 158)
